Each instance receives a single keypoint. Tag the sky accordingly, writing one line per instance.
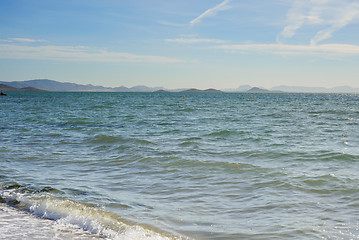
(181, 43)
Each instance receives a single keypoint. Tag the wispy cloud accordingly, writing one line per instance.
(194, 40)
(295, 19)
(283, 49)
(334, 14)
(211, 12)
(171, 24)
(22, 40)
(76, 54)
(346, 16)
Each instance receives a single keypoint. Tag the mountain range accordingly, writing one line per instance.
(7, 88)
(51, 85)
(55, 86)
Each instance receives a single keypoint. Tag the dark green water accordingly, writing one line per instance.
(207, 166)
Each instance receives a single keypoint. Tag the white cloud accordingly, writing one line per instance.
(212, 11)
(25, 40)
(76, 54)
(346, 16)
(22, 40)
(334, 14)
(194, 40)
(171, 24)
(295, 19)
(283, 49)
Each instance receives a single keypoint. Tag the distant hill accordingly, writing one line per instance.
(162, 91)
(195, 90)
(299, 89)
(137, 89)
(340, 89)
(242, 88)
(258, 90)
(31, 89)
(55, 86)
(6, 88)
(262, 90)
(51, 85)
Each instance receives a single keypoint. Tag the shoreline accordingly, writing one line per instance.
(16, 224)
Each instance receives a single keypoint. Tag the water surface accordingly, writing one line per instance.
(160, 166)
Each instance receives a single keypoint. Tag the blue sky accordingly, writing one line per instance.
(176, 44)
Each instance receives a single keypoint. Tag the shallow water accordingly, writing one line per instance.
(207, 166)
(22, 225)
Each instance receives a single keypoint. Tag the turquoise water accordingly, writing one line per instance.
(164, 166)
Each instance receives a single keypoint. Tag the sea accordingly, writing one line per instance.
(80, 165)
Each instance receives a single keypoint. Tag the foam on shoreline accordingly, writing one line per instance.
(35, 216)
(15, 224)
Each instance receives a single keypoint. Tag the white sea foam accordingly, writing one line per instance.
(15, 224)
(69, 216)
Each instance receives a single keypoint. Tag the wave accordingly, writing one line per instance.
(87, 217)
(110, 139)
